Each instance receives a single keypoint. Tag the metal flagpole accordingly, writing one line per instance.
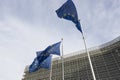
(51, 71)
(62, 60)
(93, 73)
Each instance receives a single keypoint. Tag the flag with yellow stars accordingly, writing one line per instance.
(68, 11)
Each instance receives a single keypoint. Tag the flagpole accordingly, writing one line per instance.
(51, 70)
(88, 54)
(62, 60)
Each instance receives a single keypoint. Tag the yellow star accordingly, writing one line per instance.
(73, 15)
(64, 14)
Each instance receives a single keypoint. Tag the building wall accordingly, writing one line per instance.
(106, 64)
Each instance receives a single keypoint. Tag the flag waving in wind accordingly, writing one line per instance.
(68, 11)
(53, 49)
(45, 64)
(40, 60)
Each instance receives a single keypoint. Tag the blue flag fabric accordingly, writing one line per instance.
(34, 66)
(54, 49)
(68, 11)
(45, 64)
(38, 53)
(43, 55)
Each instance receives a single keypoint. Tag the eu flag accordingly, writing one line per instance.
(43, 55)
(36, 65)
(68, 11)
(46, 63)
(53, 49)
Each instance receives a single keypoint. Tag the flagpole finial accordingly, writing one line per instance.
(61, 38)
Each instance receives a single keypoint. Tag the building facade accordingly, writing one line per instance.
(105, 59)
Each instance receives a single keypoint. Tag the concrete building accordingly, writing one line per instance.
(105, 59)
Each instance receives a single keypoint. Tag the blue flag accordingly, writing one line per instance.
(45, 64)
(43, 55)
(34, 66)
(38, 53)
(68, 11)
(54, 49)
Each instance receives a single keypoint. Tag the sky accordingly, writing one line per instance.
(27, 26)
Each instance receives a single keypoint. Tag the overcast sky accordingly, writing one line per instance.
(27, 26)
